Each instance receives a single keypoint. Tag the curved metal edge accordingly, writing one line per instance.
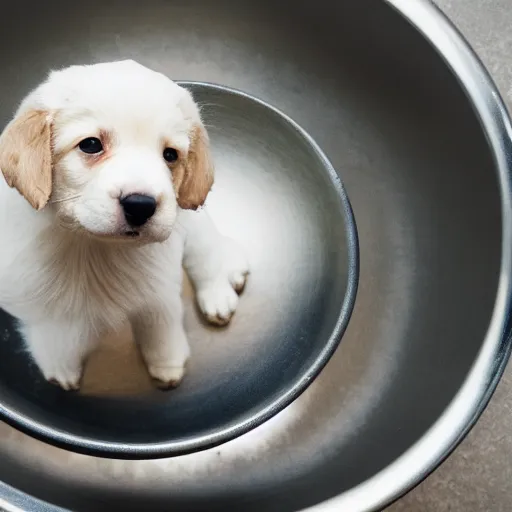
(12, 500)
(449, 431)
(107, 449)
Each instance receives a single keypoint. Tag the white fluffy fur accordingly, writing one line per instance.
(67, 272)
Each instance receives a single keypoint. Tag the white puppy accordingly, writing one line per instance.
(105, 159)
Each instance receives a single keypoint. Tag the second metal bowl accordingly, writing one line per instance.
(277, 193)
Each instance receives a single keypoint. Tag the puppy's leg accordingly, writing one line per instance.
(59, 349)
(163, 342)
(217, 266)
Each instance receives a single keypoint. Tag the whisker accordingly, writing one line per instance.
(64, 199)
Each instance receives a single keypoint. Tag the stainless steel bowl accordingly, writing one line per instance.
(279, 196)
(415, 127)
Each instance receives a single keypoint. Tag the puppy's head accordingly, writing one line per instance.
(112, 149)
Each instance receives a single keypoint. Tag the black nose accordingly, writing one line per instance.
(138, 209)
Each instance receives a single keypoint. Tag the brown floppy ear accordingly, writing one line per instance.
(26, 157)
(198, 176)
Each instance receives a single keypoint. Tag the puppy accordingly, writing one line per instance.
(101, 164)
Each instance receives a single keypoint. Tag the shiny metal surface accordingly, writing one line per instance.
(425, 158)
(276, 193)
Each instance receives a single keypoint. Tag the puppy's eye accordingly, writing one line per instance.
(170, 155)
(91, 145)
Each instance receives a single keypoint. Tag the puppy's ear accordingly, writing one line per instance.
(198, 176)
(26, 157)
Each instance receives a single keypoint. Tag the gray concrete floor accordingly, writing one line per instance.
(478, 476)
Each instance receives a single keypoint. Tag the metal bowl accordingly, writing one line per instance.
(415, 127)
(279, 196)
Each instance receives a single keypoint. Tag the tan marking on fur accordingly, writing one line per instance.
(194, 179)
(178, 173)
(100, 158)
(26, 157)
(91, 160)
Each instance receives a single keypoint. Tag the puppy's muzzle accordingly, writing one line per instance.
(138, 208)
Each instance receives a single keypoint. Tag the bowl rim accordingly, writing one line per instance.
(435, 446)
(139, 451)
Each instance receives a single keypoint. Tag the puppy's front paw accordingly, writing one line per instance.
(167, 377)
(236, 266)
(218, 303)
(238, 279)
(166, 354)
(64, 375)
(59, 350)
(217, 297)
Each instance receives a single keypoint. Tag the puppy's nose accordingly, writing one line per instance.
(138, 208)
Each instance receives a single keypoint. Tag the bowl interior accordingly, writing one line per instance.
(422, 180)
(277, 195)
